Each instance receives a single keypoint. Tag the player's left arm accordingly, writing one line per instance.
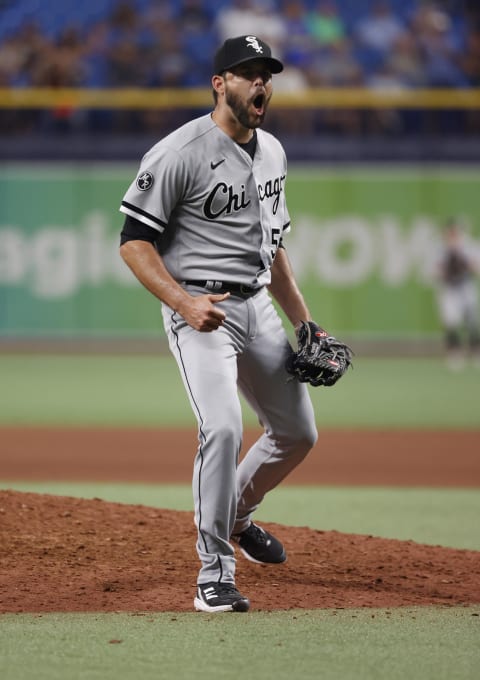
(285, 290)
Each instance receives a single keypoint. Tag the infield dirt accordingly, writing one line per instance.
(60, 554)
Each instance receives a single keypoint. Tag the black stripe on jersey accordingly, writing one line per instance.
(285, 226)
(139, 211)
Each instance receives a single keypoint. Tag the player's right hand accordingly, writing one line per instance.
(201, 313)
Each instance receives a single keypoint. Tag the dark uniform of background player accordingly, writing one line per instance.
(203, 233)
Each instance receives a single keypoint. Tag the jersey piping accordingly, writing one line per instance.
(143, 216)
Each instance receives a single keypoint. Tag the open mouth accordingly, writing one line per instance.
(259, 103)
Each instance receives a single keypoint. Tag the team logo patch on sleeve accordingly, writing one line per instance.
(145, 181)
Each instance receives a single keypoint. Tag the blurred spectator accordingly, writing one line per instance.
(237, 17)
(128, 42)
(197, 35)
(95, 59)
(379, 29)
(59, 64)
(458, 296)
(298, 43)
(442, 46)
(293, 121)
(25, 50)
(385, 78)
(335, 66)
(323, 43)
(439, 46)
(169, 64)
(325, 23)
(470, 64)
(124, 23)
(404, 61)
(469, 61)
(14, 55)
(126, 67)
(255, 17)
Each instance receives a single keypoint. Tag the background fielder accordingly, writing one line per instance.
(457, 271)
(203, 232)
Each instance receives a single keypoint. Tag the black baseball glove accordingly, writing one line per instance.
(320, 358)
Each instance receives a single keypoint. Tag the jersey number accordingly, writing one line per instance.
(275, 241)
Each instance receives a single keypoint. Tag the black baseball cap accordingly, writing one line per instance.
(236, 51)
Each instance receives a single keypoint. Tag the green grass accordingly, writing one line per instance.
(430, 643)
(147, 391)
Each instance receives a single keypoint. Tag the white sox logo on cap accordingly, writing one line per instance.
(236, 51)
(145, 181)
(252, 41)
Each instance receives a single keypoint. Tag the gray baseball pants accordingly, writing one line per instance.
(248, 354)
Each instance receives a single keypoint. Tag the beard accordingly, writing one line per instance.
(242, 112)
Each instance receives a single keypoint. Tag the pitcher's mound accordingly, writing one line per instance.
(61, 554)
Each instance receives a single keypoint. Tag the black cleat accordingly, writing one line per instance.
(259, 546)
(219, 597)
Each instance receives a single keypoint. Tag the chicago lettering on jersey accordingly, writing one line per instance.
(223, 199)
(272, 187)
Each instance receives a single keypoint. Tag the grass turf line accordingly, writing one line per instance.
(357, 644)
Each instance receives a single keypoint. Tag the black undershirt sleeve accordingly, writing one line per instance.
(134, 230)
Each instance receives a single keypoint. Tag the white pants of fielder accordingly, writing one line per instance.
(248, 353)
(458, 305)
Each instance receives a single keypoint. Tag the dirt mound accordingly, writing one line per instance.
(67, 554)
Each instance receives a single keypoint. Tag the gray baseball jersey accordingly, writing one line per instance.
(220, 217)
(221, 214)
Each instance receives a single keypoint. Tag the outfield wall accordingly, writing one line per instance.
(363, 245)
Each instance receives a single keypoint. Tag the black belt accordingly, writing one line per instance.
(225, 287)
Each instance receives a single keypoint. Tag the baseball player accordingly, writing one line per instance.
(457, 294)
(204, 227)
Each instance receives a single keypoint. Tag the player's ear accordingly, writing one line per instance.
(218, 84)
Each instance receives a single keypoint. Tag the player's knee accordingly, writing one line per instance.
(226, 433)
(308, 436)
(304, 437)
